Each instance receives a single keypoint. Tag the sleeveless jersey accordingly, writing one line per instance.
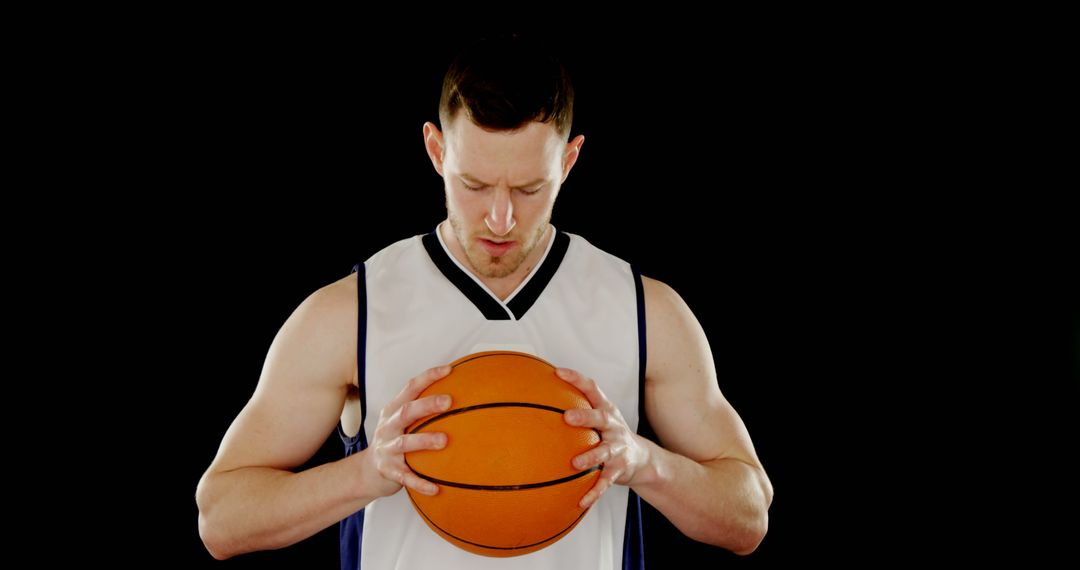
(580, 308)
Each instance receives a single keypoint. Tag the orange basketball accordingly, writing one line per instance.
(506, 485)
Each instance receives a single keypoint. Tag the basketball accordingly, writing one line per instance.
(507, 486)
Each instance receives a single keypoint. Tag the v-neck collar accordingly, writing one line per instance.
(494, 309)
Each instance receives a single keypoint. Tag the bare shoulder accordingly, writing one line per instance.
(319, 335)
(674, 338)
(302, 387)
(332, 301)
(663, 302)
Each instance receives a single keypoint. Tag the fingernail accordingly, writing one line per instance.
(443, 401)
(440, 440)
(562, 372)
(573, 416)
(445, 369)
(586, 500)
(579, 463)
(431, 490)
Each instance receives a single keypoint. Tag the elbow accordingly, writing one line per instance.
(209, 530)
(751, 537)
(212, 540)
(757, 525)
(742, 537)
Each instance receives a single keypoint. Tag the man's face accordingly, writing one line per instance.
(500, 190)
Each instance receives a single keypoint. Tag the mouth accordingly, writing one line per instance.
(495, 248)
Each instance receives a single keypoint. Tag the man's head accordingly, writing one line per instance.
(503, 152)
(502, 84)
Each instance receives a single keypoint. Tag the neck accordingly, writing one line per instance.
(500, 286)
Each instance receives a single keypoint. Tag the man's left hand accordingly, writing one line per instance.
(622, 452)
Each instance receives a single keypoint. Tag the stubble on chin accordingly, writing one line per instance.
(489, 266)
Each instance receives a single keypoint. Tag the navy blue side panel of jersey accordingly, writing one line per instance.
(352, 527)
(633, 539)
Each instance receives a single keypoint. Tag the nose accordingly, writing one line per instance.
(500, 215)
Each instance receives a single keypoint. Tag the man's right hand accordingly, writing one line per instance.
(390, 443)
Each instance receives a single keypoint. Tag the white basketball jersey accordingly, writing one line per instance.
(580, 308)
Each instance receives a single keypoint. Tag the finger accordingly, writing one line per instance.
(411, 480)
(418, 384)
(598, 490)
(408, 443)
(416, 409)
(597, 419)
(597, 456)
(586, 385)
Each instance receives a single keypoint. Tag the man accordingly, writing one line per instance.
(494, 274)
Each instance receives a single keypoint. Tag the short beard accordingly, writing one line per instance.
(485, 264)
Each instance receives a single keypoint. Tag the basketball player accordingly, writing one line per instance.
(495, 274)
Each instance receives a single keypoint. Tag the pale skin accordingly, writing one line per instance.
(500, 188)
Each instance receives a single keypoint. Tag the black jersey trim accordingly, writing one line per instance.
(488, 306)
(524, 300)
(633, 533)
(359, 441)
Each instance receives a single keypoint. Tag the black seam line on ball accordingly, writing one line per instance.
(483, 406)
(471, 486)
(458, 538)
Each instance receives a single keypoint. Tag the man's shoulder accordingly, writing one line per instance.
(660, 294)
(333, 300)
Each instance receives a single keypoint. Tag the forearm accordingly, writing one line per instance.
(259, 508)
(724, 502)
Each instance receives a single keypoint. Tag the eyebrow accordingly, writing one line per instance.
(530, 184)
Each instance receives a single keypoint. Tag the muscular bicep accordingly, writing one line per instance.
(682, 398)
(302, 388)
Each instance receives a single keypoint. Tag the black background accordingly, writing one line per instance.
(880, 318)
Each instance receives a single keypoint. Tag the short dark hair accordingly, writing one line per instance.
(503, 83)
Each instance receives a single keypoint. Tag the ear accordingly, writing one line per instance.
(570, 156)
(433, 142)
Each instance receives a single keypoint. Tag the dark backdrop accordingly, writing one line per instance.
(781, 183)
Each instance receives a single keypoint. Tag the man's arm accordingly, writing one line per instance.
(707, 479)
(249, 499)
